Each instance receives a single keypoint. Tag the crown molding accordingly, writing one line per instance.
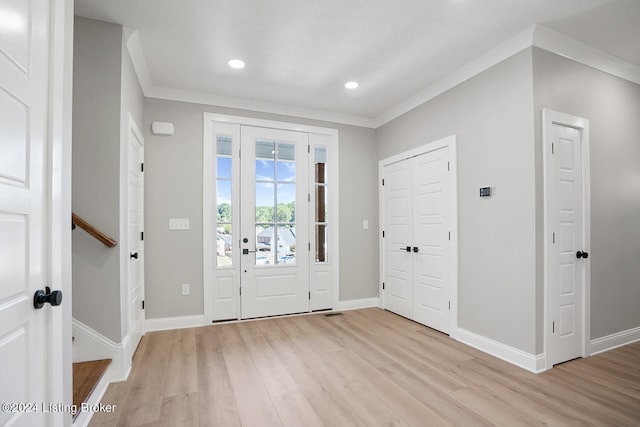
(548, 39)
(260, 106)
(496, 55)
(536, 35)
(136, 53)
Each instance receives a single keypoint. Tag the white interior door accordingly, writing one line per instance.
(274, 222)
(398, 290)
(135, 279)
(24, 331)
(567, 271)
(431, 257)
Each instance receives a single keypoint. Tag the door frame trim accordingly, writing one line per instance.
(550, 117)
(131, 128)
(450, 142)
(210, 119)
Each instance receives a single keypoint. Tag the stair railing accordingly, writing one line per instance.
(94, 232)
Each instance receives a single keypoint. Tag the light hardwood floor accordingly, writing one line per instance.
(364, 368)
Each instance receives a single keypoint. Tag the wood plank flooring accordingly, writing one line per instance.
(364, 368)
(86, 376)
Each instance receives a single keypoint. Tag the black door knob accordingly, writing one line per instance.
(245, 240)
(581, 254)
(133, 255)
(415, 249)
(40, 298)
(408, 248)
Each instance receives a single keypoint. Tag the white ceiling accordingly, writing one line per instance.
(300, 53)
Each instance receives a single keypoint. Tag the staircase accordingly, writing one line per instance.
(86, 376)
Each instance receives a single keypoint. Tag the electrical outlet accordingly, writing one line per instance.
(186, 289)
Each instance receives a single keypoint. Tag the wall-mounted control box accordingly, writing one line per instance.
(485, 191)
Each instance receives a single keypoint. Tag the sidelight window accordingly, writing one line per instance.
(224, 232)
(321, 220)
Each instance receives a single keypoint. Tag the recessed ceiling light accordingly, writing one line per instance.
(236, 64)
(351, 85)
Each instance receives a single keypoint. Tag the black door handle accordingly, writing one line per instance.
(408, 248)
(133, 255)
(581, 254)
(415, 249)
(40, 298)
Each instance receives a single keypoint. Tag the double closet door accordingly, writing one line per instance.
(417, 240)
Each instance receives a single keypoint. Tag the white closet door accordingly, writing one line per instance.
(398, 285)
(431, 282)
(418, 214)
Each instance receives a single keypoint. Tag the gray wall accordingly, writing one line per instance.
(492, 117)
(96, 167)
(173, 189)
(105, 91)
(612, 106)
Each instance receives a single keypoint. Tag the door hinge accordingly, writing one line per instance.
(383, 234)
(383, 286)
(554, 238)
(240, 290)
(142, 235)
(239, 153)
(143, 304)
(141, 167)
(553, 327)
(383, 181)
(309, 246)
(553, 151)
(309, 295)
(449, 305)
(449, 235)
(448, 166)
(308, 197)
(309, 148)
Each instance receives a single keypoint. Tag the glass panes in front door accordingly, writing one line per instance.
(275, 201)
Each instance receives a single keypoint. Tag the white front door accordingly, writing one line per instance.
(135, 218)
(567, 259)
(274, 224)
(431, 216)
(398, 286)
(26, 382)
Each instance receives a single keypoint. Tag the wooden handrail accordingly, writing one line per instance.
(97, 234)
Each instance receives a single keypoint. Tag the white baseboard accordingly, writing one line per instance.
(530, 362)
(354, 304)
(166, 323)
(91, 345)
(612, 341)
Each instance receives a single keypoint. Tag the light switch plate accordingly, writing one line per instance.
(178, 223)
(365, 224)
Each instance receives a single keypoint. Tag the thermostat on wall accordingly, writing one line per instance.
(485, 191)
(162, 128)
